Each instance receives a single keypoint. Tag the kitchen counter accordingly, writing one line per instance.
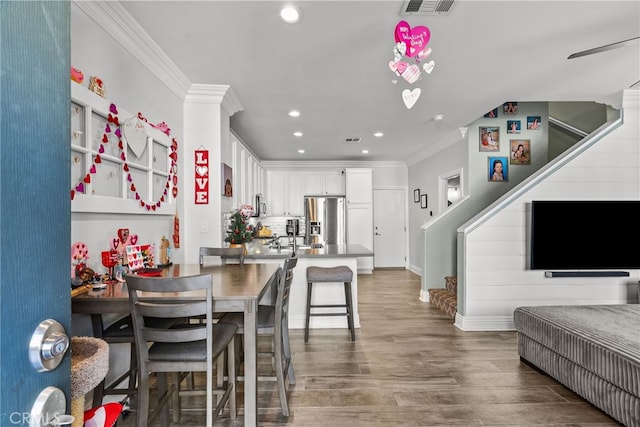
(263, 252)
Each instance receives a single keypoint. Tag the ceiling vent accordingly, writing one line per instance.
(425, 7)
(352, 140)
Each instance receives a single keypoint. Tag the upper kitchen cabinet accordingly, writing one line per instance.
(359, 185)
(324, 182)
(285, 193)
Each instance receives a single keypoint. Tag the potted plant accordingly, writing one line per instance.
(240, 231)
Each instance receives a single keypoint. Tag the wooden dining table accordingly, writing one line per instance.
(236, 288)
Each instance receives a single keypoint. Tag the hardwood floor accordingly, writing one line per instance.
(409, 366)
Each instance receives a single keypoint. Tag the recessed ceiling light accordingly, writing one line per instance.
(378, 134)
(438, 117)
(365, 151)
(298, 134)
(301, 151)
(290, 14)
(294, 113)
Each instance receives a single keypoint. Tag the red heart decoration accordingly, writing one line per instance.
(98, 159)
(123, 157)
(104, 138)
(153, 208)
(174, 156)
(80, 188)
(175, 192)
(161, 199)
(73, 194)
(137, 196)
(92, 169)
(107, 128)
(101, 149)
(120, 146)
(141, 203)
(133, 188)
(113, 108)
(126, 167)
(87, 179)
(148, 207)
(166, 185)
(129, 177)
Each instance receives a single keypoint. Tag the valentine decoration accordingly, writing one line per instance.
(240, 231)
(79, 256)
(411, 45)
(124, 239)
(76, 75)
(96, 86)
(140, 256)
(134, 131)
(202, 177)
(176, 231)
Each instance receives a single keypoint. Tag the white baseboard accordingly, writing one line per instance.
(484, 323)
(424, 295)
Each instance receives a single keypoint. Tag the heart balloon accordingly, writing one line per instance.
(410, 97)
(418, 40)
(403, 29)
(423, 54)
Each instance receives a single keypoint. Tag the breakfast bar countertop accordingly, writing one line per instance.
(327, 251)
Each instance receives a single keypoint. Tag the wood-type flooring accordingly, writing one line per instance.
(410, 366)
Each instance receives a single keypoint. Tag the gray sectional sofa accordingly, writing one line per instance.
(593, 350)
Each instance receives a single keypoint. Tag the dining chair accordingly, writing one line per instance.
(222, 254)
(273, 321)
(184, 347)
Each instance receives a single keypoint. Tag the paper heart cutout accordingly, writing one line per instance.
(135, 132)
(113, 108)
(133, 188)
(174, 192)
(411, 74)
(101, 149)
(118, 133)
(87, 179)
(410, 97)
(393, 66)
(104, 138)
(129, 178)
(202, 170)
(428, 66)
(422, 55)
(80, 188)
(107, 129)
(98, 159)
(73, 194)
(401, 66)
(134, 239)
(126, 167)
(92, 169)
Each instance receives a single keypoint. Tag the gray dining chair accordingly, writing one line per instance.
(273, 321)
(222, 254)
(184, 347)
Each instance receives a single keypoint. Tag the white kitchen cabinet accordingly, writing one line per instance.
(285, 193)
(324, 182)
(359, 192)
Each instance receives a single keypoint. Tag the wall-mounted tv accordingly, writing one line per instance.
(585, 235)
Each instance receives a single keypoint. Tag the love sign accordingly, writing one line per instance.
(202, 177)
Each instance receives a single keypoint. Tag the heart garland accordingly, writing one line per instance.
(172, 178)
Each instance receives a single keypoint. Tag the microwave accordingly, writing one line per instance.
(260, 208)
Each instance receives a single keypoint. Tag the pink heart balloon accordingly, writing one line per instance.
(402, 32)
(418, 40)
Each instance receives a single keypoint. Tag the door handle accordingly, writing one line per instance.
(48, 345)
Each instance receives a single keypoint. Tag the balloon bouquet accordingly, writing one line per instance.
(411, 44)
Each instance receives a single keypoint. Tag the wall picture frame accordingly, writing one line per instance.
(534, 123)
(227, 180)
(489, 138)
(513, 126)
(492, 114)
(520, 151)
(416, 195)
(498, 169)
(510, 107)
(423, 201)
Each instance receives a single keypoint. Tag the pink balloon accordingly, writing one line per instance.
(403, 32)
(418, 40)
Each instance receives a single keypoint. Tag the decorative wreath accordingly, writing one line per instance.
(172, 178)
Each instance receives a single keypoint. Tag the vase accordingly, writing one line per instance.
(239, 245)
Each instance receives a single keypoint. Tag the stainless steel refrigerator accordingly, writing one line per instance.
(325, 220)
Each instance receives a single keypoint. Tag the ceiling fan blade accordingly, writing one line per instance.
(602, 48)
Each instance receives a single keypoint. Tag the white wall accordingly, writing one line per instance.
(130, 85)
(494, 279)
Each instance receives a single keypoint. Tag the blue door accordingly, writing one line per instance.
(35, 214)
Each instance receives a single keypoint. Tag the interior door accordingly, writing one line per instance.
(389, 243)
(35, 223)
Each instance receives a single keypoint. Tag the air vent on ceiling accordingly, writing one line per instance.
(352, 140)
(425, 7)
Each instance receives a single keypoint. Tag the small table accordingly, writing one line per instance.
(236, 288)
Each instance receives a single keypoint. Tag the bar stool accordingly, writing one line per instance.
(324, 275)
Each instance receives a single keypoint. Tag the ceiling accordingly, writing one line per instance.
(334, 68)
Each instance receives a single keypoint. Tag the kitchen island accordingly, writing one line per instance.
(327, 293)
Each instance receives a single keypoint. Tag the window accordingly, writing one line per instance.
(120, 163)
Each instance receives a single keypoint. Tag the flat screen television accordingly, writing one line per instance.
(585, 235)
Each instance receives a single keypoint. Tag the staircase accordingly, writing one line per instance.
(446, 299)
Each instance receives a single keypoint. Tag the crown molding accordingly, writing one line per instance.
(112, 17)
(223, 95)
